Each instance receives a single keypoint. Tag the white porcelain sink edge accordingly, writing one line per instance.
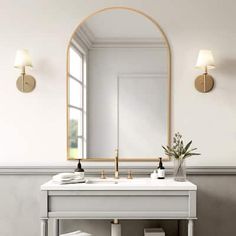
(122, 184)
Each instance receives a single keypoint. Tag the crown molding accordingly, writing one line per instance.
(86, 36)
(128, 43)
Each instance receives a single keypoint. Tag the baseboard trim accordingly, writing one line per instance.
(92, 170)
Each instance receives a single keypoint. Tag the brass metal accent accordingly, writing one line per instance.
(25, 83)
(130, 174)
(115, 221)
(169, 62)
(204, 83)
(116, 175)
(103, 175)
(116, 164)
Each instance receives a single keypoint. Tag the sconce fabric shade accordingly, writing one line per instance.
(205, 60)
(22, 59)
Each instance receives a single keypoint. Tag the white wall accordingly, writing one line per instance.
(33, 126)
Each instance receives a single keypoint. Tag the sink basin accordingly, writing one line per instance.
(115, 181)
(102, 182)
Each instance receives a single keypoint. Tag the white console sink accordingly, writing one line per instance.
(138, 198)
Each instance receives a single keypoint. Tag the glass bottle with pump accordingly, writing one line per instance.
(161, 170)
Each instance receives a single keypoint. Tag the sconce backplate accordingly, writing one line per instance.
(204, 83)
(28, 85)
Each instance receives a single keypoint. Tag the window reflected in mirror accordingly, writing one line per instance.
(77, 102)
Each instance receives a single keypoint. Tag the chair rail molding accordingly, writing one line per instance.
(95, 170)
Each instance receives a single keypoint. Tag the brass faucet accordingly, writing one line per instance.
(116, 164)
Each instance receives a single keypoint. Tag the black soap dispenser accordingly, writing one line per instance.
(161, 170)
(79, 172)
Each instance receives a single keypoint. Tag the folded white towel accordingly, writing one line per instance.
(68, 178)
(64, 176)
(72, 181)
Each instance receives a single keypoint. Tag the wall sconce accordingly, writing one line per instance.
(204, 83)
(25, 83)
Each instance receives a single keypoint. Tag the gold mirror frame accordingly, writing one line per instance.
(169, 87)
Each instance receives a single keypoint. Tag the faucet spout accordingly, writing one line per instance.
(117, 164)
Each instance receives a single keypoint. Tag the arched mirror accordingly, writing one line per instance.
(118, 87)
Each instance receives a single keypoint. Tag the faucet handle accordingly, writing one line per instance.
(103, 175)
(130, 174)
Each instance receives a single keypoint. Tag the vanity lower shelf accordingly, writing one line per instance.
(126, 199)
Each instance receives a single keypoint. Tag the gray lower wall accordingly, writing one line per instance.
(19, 208)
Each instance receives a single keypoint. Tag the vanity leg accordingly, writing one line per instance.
(44, 227)
(56, 227)
(178, 227)
(190, 227)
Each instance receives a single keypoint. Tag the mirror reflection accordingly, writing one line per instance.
(118, 87)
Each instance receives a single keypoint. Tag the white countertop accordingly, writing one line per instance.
(122, 184)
